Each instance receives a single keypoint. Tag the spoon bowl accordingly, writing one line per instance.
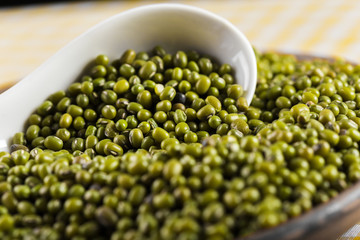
(172, 26)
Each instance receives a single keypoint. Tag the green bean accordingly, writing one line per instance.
(136, 137)
(205, 65)
(159, 134)
(205, 112)
(202, 85)
(180, 59)
(53, 143)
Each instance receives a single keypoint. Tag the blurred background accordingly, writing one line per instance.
(32, 31)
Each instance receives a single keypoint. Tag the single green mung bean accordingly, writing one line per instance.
(121, 86)
(128, 57)
(206, 112)
(180, 59)
(168, 93)
(114, 149)
(108, 111)
(159, 134)
(215, 102)
(136, 137)
(205, 65)
(148, 70)
(181, 129)
(53, 143)
(202, 85)
(180, 116)
(235, 91)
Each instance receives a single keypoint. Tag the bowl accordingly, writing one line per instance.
(173, 26)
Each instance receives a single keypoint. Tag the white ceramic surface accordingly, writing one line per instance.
(173, 26)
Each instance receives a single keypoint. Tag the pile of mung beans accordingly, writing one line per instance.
(164, 146)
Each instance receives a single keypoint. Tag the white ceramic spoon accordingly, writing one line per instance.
(173, 26)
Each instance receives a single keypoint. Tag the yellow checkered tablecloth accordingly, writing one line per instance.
(352, 234)
(31, 34)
